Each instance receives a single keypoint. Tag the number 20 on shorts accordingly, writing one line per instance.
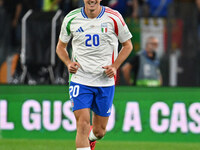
(74, 91)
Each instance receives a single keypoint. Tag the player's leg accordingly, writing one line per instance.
(81, 97)
(99, 124)
(83, 127)
(102, 110)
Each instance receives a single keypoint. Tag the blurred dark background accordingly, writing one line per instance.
(29, 32)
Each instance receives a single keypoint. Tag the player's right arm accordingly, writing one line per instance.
(65, 36)
(64, 56)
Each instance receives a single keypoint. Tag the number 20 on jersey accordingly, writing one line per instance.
(92, 40)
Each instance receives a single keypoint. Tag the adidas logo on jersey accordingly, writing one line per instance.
(80, 29)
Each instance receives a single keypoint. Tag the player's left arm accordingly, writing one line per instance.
(124, 53)
(124, 36)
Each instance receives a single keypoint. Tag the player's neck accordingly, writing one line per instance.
(93, 13)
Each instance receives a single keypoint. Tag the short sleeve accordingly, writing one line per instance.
(124, 33)
(65, 34)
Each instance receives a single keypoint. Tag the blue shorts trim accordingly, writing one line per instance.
(98, 99)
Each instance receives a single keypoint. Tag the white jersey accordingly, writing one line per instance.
(94, 43)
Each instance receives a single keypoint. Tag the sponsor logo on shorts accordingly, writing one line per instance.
(109, 110)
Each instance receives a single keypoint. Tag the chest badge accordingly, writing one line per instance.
(104, 28)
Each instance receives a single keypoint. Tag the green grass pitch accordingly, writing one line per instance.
(15, 144)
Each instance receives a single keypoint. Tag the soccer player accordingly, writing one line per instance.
(95, 31)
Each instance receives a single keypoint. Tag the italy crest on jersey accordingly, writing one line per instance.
(104, 27)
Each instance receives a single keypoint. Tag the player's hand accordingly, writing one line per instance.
(110, 71)
(73, 67)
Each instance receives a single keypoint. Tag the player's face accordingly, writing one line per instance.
(92, 4)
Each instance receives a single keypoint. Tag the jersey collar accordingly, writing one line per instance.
(99, 16)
